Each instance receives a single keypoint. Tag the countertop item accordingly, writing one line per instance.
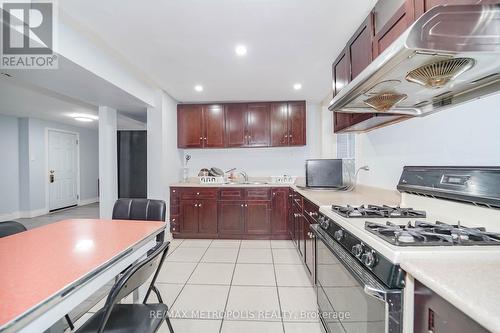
(45, 266)
(469, 281)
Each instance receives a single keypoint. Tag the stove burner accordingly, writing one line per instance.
(432, 234)
(377, 211)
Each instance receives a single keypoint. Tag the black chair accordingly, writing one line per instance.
(128, 318)
(141, 209)
(8, 228)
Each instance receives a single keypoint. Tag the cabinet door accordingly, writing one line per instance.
(213, 125)
(258, 125)
(236, 124)
(394, 27)
(279, 213)
(207, 217)
(341, 77)
(189, 217)
(231, 217)
(279, 124)
(291, 219)
(189, 126)
(360, 47)
(308, 247)
(297, 123)
(257, 217)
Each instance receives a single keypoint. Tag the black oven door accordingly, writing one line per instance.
(350, 298)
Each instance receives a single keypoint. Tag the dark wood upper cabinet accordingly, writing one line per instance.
(200, 126)
(213, 126)
(360, 47)
(387, 31)
(297, 123)
(232, 125)
(258, 125)
(288, 124)
(236, 122)
(279, 124)
(341, 77)
(190, 126)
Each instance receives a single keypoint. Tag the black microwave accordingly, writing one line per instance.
(324, 173)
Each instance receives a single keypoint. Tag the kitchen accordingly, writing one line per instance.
(373, 208)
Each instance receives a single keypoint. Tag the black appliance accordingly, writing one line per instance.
(132, 164)
(324, 173)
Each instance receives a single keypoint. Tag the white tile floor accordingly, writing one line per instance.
(260, 286)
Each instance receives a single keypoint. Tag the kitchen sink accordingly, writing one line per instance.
(246, 183)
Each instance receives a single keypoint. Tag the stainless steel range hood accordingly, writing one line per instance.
(450, 55)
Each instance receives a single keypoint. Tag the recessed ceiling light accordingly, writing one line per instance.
(297, 86)
(85, 120)
(240, 50)
(84, 117)
(198, 88)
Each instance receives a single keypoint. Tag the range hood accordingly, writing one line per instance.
(450, 55)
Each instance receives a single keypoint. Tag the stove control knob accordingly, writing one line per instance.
(369, 259)
(339, 234)
(357, 250)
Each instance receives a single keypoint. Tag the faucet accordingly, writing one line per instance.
(245, 175)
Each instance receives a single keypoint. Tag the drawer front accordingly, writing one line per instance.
(231, 194)
(311, 210)
(258, 194)
(298, 199)
(199, 193)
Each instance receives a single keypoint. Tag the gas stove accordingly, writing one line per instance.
(447, 204)
(421, 233)
(375, 211)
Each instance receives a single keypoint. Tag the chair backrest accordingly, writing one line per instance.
(133, 278)
(8, 228)
(139, 209)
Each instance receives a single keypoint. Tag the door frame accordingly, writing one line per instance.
(47, 191)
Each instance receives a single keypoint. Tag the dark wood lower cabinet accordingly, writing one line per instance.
(207, 217)
(238, 213)
(309, 245)
(189, 213)
(231, 218)
(257, 217)
(279, 211)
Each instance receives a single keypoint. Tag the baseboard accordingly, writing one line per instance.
(23, 214)
(84, 202)
(10, 216)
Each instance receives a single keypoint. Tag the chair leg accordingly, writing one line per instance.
(167, 319)
(70, 323)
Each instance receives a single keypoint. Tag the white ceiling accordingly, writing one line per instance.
(19, 99)
(179, 44)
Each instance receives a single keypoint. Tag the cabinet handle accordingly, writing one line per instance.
(246, 205)
(274, 193)
(173, 191)
(199, 205)
(173, 220)
(290, 195)
(242, 205)
(201, 138)
(173, 229)
(205, 138)
(197, 193)
(196, 205)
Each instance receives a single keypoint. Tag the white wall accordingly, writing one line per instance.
(23, 168)
(263, 162)
(9, 167)
(468, 135)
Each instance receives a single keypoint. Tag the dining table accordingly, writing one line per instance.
(47, 271)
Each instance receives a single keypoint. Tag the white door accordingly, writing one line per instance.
(62, 169)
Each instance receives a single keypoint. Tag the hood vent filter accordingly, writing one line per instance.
(439, 73)
(384, 101)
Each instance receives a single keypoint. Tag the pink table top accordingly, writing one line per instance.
(39, 263)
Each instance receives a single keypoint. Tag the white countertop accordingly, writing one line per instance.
(470, 281)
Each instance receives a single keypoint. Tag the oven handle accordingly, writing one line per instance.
(380, 294)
